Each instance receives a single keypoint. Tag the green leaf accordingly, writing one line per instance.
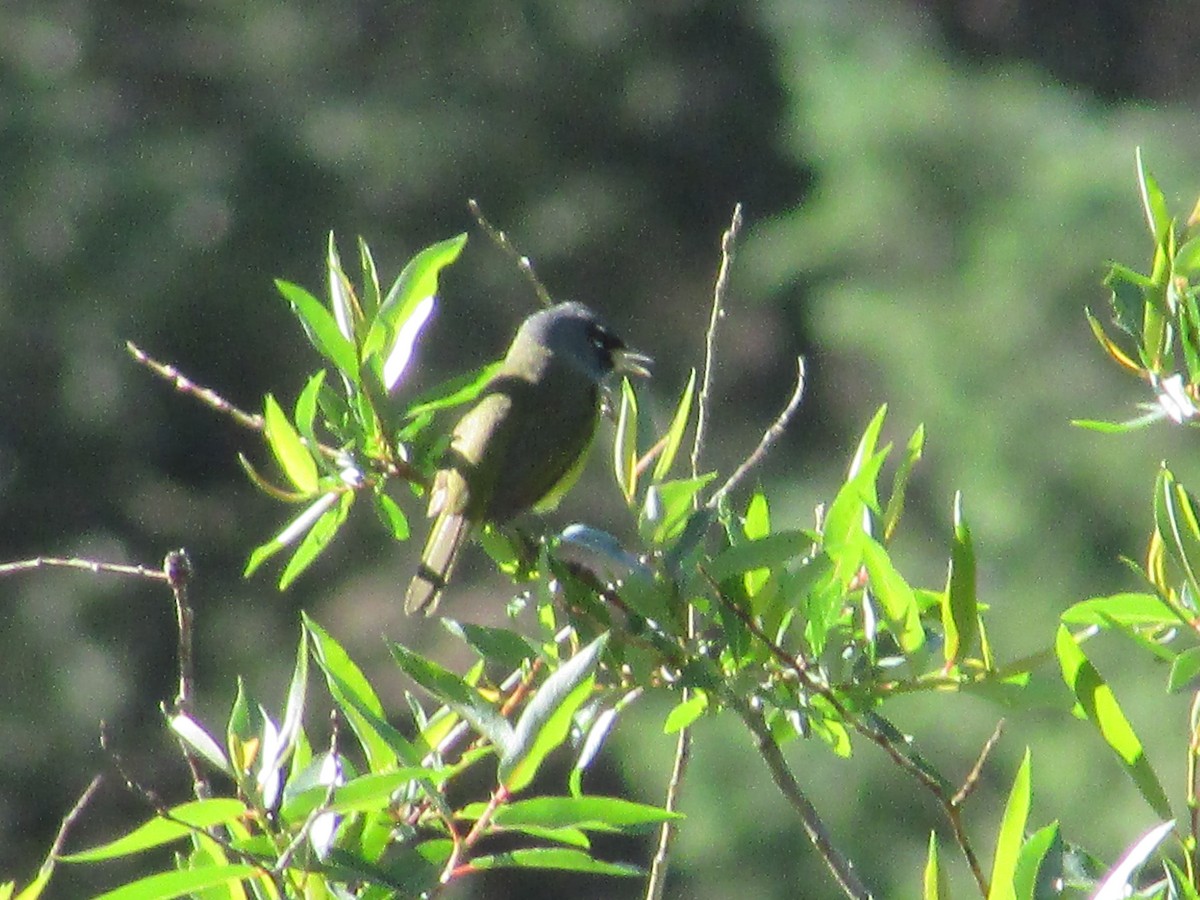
(1123, 609)
(846, 522)
(496, 645)
(1177, 522)
(417, 281)
(1154, 203)
(546, 721)
(960, 613)
(895, 504)
(341, 295)
(553, 858)
(318, 537)
(934, 882)
(375, 791)
(371, 297)
(588, 813)
(625, 452)
(455, 392)
(1012, 834)
(1040, 870)
(895, 596)
(321, 329)
(685, 713)
(1101, 708)
(770, 553)
(456, 693)
(357, 699)
(669, 507)
(294, 458)
(186, 819)
(674, 436)
(306, 407)
(391, 515)
(184, 882)
(755, 526)
(1185, 670)
(290, 533)
(1187, 259)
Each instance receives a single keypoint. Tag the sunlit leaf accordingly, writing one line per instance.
(546, 721)
(625, 451)
(564, 858)
(674, 436)
(1101, 708)
(1012, 833)
(318, 537)
(185, 819)
(960, 613)
(321, 328)
(294, 458)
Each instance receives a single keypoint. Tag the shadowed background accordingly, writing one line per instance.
(931, 192)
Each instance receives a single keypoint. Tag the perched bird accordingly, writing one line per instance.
(523, 443)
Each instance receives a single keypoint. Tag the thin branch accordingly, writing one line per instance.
(185, 385)
(178, 568)
(86, 565)
(501, 240)
(683, 744)
(728, 242)
(770, 436)
(867, 729)
(972, 779)
(768, 749)
(69, 820)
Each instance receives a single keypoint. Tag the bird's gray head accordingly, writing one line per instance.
(576, 335)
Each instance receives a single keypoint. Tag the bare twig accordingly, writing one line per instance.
(972, 779)
(502, 240)
(86, 565)
(185, 385)
(178, 568)
(683, 744)
(770, 436)
(728, 241)
(840, 866)
(69, 820)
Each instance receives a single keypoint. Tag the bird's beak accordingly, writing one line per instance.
(630, 362)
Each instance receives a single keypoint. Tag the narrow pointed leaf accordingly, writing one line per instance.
(546, 721)
(321, 328)
(675, 433)
(1101, 708)
(1012, 833)
(186, 819)
(895, 596)
(895, 504)
(625, 443)
(456, 693)
(960, 613)
(564, 858)
(933, 885)
(294, 458)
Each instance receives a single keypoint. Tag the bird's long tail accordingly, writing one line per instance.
(441, 549)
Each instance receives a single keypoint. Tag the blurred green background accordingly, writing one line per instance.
(932, 190)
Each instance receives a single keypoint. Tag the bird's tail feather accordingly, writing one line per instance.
(437, 561)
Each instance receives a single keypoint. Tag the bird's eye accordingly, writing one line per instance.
(604, 340)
